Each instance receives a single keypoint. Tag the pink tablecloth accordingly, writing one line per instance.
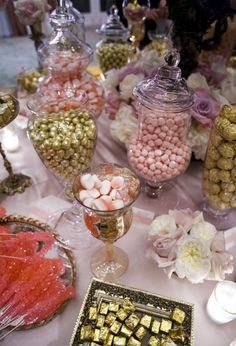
(141, 273)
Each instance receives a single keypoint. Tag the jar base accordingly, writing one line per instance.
(165, 193)
(222, 219)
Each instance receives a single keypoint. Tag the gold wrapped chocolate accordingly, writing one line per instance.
(119, 341)
(215, 138)
(225, 196)
(209, 163)
(226, 164)
(8, 109)
(233, 173)
(133, 342)
(214, 175)
(132, 321)
(140, 332)
(103, 308)
(165, 325)
(104, 332)
(146, 321)
(100, 321)
(96, 336)
(213, 153)
(229, 112)
(109, 340)
(29, 80)
(224, 176)
(226, 128)
(155, 327)
(86, 333)
(110, 319)
(178, 335)
(115, 328)
(128, 306)
(113, 306)
(126, 331)
(233, 202)
(121, 314)
(228, 187)
(93, 313)
(178, 315)
(167, 341)
(154, 341)
(214, 188)
(226, 149)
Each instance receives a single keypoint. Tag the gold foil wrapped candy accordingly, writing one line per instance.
(178, 315)
(165, 325)
(154, 341)
(29, 80)
(8, 109)
(133, 342)
(219, 182)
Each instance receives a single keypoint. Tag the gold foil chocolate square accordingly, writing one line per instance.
(165, 325)
(113, 306)
(94, 344)
(167, 341)
(146, 321)
(115, 328)
(100, 321)
(140, 332)
(104, 332)
(132, 321)
(178, 315)
(109, 340)
(103, 308)
(119, 341)
(96, 336)
(155, 327)
(128, 306)
(93, 313)
(110, 319)
(154, 341)
(126, 331)
(121, 314)
(133, 342)
(178, 335)
(86, 333)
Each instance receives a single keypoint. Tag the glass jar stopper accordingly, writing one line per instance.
(113, 26)
(167, 90)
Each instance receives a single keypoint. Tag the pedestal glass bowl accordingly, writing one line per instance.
(106, 217)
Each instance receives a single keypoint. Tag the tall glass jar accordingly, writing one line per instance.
(161, 150)
(78, 28)
(114, 51)
(219, 182)
(66, 58)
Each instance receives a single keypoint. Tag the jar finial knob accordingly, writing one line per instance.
(114, 10)
(172, 58)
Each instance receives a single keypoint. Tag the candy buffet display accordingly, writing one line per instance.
(121, 316)
(65, 57)
(114, 51)
(219, 182)
(38, 268)
(161, 151)
(9, 108)
(63, 132)
(106, 194)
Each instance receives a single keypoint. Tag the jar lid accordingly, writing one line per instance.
(167, 90)
(113, 26)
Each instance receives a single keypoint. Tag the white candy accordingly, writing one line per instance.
(106, 199)
(117, 204)
(113, 193)
(99, 204)
(83, 195)
(87, 181)
(97, 181)
(94, 193)
(117, 182)
(89, 202)
(105, 187)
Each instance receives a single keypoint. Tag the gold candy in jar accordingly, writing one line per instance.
(29, 80)
(219, 182)
(65, 141)
(8, 109)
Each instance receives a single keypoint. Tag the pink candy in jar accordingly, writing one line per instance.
(161, 150)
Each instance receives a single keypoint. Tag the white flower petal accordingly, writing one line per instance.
(203, 230)
(162, 225)
(128, 84)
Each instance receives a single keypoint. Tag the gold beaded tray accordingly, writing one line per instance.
(59, 250)
(146, 303)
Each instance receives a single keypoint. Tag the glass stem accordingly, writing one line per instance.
(109, 251)
(7, 164)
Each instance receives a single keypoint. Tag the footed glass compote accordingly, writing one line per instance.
(106, 194)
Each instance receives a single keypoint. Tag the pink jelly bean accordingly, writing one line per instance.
(159, 142)
(141, 159)
(161, 121)
(158, 152)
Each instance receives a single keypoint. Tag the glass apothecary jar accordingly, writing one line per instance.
(66, 58)
(63, 133)
(113, 51)
(219, 178)
(161, 150)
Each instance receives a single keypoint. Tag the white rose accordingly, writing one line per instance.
(228, 90)
(128, 84)
(162, 225)
(125, 124)
(197, 80)
(149, 59)
(193, 260)
(203, 230)
(111, 81)
(199, 137)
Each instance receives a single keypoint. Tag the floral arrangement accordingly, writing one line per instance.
(31, 12)
(214, 85)
(184, 243)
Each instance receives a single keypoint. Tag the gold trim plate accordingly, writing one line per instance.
(21, 223)
(145, 302)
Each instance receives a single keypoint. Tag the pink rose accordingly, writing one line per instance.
(112, 104)
(205, 108)
(185, 218)
(129, 69)
(165, 245)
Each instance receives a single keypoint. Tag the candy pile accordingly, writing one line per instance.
(103, 195)
(120, 324)
(161, 151)
(8, 109)
(113, 55)
(30, 282)
(65, 141)
(220, 165)
(29, 80)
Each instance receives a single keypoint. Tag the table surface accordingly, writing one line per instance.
(141, 273)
